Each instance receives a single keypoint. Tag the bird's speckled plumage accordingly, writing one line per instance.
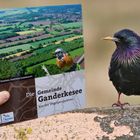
(124, 69)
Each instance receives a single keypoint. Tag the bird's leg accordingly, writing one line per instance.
(119, 104)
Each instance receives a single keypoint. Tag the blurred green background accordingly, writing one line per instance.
(101, 18)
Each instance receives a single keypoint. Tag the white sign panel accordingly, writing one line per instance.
(59, 93)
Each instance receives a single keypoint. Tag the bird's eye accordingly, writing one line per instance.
(121, 38)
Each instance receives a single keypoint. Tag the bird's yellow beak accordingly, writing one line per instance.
(111, 38)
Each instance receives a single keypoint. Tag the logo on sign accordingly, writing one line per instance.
(7, 117)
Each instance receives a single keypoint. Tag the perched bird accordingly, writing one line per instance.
(63, 59)
(124, 71)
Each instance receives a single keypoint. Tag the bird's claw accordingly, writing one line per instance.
(121, 105)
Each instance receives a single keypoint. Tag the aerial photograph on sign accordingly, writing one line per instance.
(41, 41)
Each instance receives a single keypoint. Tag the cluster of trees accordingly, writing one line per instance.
(5, 29)
(39, 72)
(7, 35)
(70, 46)
(9, 32)
(9, 70)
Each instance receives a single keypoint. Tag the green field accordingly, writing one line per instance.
(54, 33)
(2, 28)
(73, 53)
(30, 31)
(29, 39)
(14, 48)
(12, 12)
(30, 69)
(6, 32)
(34, 44)
(45, 49)
(69, 25)
(77, 52)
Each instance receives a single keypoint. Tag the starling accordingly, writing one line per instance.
(124, 71)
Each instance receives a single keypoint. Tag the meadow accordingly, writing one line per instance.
(14, 49)
(30, 31)
(74, 53)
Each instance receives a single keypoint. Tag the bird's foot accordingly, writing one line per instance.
(119, 104)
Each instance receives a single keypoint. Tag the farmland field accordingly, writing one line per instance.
(69, 39)
(29, 31)
(51, 40)
(15, 48)
(30, 36)
(70, 25)
(6, 27)
(77, 52)
(16, 54)
(35, 44)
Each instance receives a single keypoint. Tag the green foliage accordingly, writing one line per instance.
(43, 55)
(7, 35)
(7, 69)
(35, 51)
(48, 40)
(53, 69)
(15, 48)
(37, 71)
(70, 25)
(69, 46)
(47, 52)
(74, 53)
(19, 50)
(77, 52)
